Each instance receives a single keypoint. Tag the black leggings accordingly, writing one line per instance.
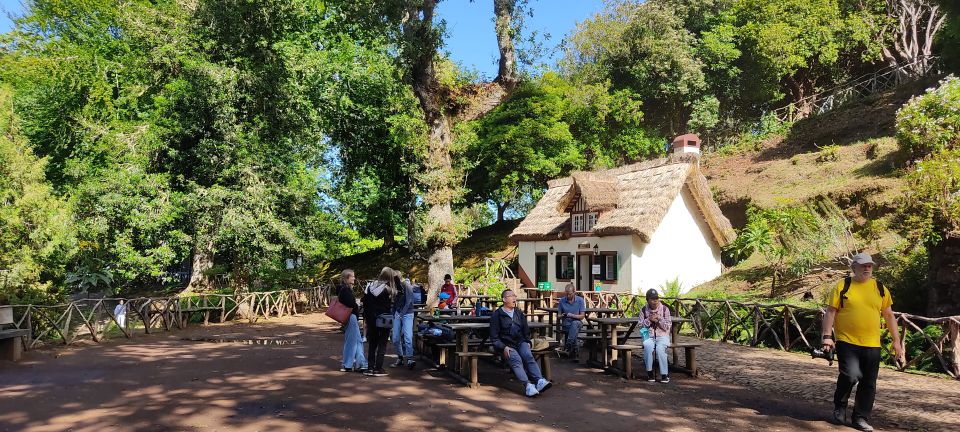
(858, 364)
(377, 345)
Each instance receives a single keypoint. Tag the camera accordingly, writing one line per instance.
(826, 354)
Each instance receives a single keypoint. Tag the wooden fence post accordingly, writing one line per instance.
(786, 329)
(954, 343)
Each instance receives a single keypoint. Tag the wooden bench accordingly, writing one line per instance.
(625, 352)
(592, 344)
(543, 357)
(11, 343)
(472, 356)
(445, 350)
(690, 355)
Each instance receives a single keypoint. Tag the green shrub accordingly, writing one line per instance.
(671, 288)
(906, 276)
(931, 122)
(828, 153)
(930, 206)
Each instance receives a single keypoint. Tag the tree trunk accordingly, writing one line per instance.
(943, 298)
(421, 47)
(202, 263)
(389, 237)
(501, 209)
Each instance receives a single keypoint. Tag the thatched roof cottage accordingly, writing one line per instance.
(626, 229)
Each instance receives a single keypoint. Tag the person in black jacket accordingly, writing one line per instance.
(377, 301)
(510, 334)
(352, 343)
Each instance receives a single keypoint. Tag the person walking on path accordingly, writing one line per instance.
(655, 317)
(510, 334)
(377, 302)
(851, 325)
(572, 310)
(352, 342)
(403, 323)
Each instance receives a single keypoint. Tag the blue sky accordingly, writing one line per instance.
(471, 40)
(473, 44)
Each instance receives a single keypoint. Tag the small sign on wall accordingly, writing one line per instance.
(595, 269)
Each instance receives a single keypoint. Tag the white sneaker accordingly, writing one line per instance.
(543, 384)
(532, 390)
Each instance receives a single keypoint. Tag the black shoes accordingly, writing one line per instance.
(664, 379)
(860, 423)
(840, 415)
(650, 377)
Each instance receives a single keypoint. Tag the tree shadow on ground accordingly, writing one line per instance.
(160, 382)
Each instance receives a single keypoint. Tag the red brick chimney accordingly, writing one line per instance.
(687, 143)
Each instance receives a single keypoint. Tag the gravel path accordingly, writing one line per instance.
(910, 401)
(281, 376)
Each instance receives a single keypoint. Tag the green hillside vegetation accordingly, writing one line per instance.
(486, 242)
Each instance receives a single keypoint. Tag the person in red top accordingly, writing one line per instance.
(450, 290)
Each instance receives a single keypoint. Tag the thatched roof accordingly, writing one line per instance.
(631, 199)
(598, 191)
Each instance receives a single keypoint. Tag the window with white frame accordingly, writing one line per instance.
(583, 222)
(578, 220)
(611, 267)
(591, 221)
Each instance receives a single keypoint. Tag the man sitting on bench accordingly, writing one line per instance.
(655, 316)
(510, 334)
(572, 310)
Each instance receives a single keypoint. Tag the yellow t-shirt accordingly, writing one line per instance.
(858, 321)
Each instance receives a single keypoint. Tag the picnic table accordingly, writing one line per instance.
(608, 334)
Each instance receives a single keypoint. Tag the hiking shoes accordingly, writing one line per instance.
(860, 423)
(531, 390)
(840, 415)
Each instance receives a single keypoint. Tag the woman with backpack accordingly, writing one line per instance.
(352, 343)
(377, 304)
(403, 323)
(655, 317)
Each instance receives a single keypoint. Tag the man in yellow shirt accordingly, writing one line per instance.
(854, 315)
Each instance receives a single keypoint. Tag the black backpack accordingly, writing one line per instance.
(846, 287)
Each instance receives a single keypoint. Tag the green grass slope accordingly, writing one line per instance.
(490, 241)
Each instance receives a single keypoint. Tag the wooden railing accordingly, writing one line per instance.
(790, 327)
(94, 319)
(782, 326)
(858, 88)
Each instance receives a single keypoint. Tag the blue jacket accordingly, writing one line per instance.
(508, 332)
(403, 302)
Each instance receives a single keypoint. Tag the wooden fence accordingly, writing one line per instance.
(94, 319)
(791, 327)
(781, 326)
(858, 88)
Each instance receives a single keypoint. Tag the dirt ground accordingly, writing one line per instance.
(162, 382)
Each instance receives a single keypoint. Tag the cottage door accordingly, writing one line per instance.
(584, 278)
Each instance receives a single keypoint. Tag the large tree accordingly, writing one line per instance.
(180, 129)
(413, 26)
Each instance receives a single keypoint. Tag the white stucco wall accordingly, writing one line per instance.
(623, 245)
(681, 247)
